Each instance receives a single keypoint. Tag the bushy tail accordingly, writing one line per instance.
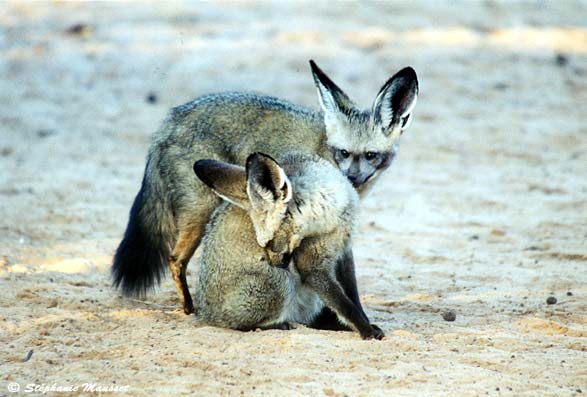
(142, 256)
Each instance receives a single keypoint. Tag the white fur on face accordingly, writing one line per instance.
(368, 139)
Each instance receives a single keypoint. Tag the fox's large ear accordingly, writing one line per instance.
(227, 180)
(267, 184)
(392, 109)
(332, 99)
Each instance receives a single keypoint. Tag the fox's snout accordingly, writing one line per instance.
(357, 179)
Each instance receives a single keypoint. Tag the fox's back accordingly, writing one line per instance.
(233, 125)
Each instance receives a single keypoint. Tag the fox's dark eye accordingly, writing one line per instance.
(371, 155)
(344, 153)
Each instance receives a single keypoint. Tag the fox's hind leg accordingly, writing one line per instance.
(190, 234)
(186, 245)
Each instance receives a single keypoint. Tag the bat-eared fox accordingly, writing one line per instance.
(169, 214)
(272, 251)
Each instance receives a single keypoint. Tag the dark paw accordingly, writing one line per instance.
(379, 334)
(374, 333)
(188, 308)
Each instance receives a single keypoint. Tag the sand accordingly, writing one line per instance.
(484, 211)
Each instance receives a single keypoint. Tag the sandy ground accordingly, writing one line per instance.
(484, 212)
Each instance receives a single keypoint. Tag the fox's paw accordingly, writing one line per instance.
(379, 334)
(188, 308)
(375, 333)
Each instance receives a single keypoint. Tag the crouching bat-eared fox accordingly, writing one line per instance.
(215, 136)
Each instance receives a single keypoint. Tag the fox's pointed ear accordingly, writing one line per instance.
(392, 109)
(227, 180)
(332, 99)
(267, 183)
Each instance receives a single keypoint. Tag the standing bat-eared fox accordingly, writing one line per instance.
(169, 214)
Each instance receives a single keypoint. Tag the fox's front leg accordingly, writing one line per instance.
(345, 275)
(331, 292)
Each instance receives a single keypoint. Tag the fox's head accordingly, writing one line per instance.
(364, 142)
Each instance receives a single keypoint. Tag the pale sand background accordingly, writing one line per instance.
(484, 211)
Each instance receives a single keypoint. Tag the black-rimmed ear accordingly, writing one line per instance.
(266, 181)
(332, 98)
(394, 104)
(227, 180)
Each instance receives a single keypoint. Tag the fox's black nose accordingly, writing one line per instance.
(355, 180)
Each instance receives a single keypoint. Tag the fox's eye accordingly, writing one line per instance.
(371, 155)
(344, 153)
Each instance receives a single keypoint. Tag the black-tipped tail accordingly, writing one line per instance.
(141, 258)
